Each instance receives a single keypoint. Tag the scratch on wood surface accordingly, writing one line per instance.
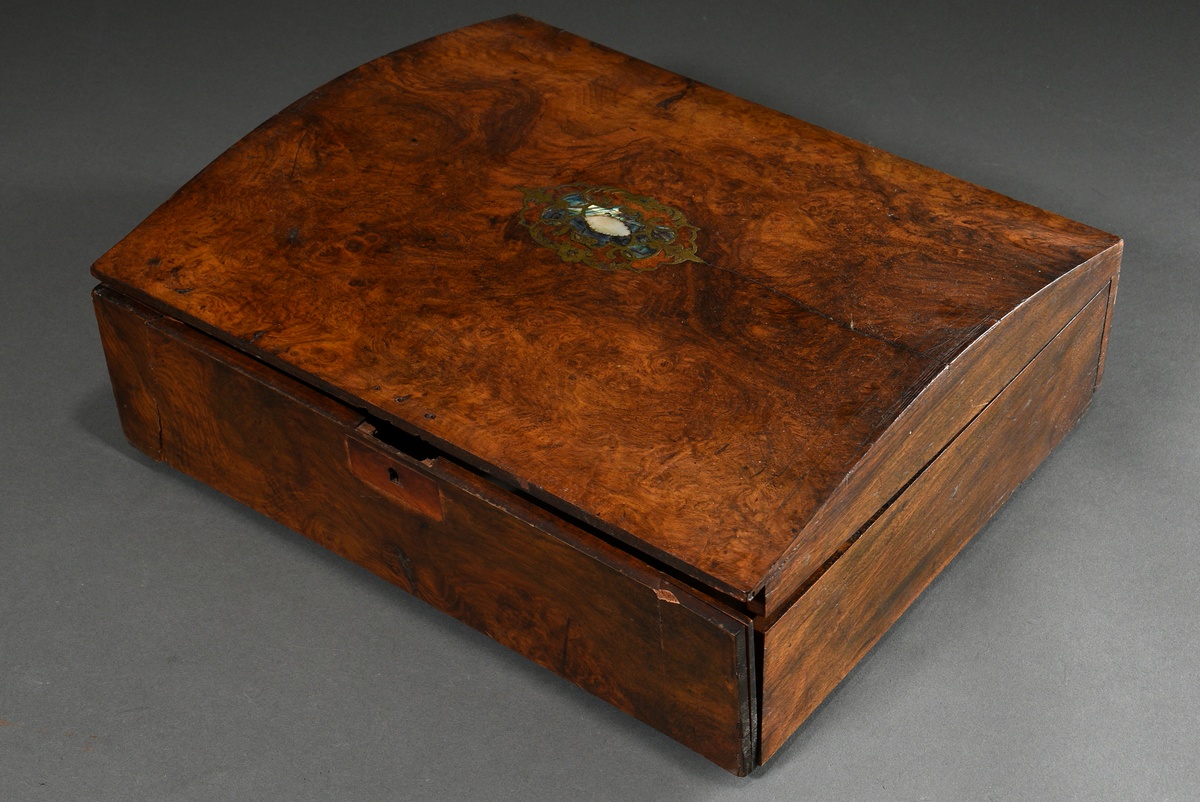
(296, 155)
(664, 466)
(407, 566)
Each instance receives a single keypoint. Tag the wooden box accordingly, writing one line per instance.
(682, 398)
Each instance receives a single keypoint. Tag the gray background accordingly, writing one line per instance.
(160, 642)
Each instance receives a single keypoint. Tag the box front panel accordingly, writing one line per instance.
(574, 604)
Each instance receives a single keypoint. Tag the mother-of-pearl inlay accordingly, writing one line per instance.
(605, 221)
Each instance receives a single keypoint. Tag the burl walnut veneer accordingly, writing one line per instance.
(682, 398)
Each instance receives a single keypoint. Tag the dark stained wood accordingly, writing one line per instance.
(815, 643)
(127, 353)
(581, 608)
(950, 401)
(367, 241)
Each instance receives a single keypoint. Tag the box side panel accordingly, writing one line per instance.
(813, 645)
(935, 417)
(505, 567)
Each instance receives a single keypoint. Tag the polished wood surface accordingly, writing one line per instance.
(367, 241)
(585, 610)
(817, 640)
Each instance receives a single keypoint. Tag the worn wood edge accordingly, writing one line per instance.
(745, 671)
(788, 699)
(736, 626)
(122, 322)
(944, 407)
(1112, 302)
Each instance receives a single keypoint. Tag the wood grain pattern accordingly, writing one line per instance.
(505, 567)
(366, 241)
(815, 643)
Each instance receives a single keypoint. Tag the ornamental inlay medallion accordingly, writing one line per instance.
(608, 228)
